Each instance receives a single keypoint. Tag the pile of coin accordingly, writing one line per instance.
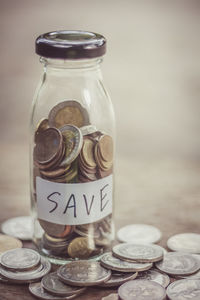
(68, 149)
(22, 265)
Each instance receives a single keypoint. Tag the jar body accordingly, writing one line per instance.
(71, 161)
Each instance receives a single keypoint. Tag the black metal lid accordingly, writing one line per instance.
(70, 44)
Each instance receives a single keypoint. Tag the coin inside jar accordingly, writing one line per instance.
(68, 112)
(80, 247)
(55, 230)
(48, 144)
(42, 125)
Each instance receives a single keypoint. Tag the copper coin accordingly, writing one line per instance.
(55, 162)
(41, 126)
(48, 145)
(90, 176)
(80, 247)
(59, 171)
(83, 273)
(106, 148)
(68, 112)
(8, 243)
(52, 229)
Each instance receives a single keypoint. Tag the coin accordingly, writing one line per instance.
(184, 289)
(88, 129)
(88, 153)
(110, 262)
(8, 243)
(185, 242)
(193, 276)
(83, 273)
(56, 246)
(42, 125)
(117, 279)
(38, 291)
(53, 285)
(177, 263)
(106, 148)
(153, 275)
(55, 230)
(137, 252)
(20, 227)
(49, 142)
(111, 297)
(27, 276)
(73, 139)
(20, 259)
(68, 112)
(80, 247)
(139, 233)
(141, 290)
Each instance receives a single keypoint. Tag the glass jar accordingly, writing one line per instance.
(72, 149)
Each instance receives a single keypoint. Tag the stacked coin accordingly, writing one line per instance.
(68, 149)
(21, 266)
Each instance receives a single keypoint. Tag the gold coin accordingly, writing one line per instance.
(68, 112)
(8, 242)
(103, 165)
(80, 248)
(88, 153)
(106, 148)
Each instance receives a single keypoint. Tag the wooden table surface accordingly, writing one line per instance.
(152, 71)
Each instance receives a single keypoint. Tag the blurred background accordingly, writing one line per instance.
(152, 71)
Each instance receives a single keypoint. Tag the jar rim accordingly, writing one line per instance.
(70, 44)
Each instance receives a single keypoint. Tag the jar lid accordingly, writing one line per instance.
(70, 44)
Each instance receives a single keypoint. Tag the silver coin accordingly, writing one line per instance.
(118, 278)
(193, 276)
(83, 273)
(88, 129)
(20, 227)
(185, 242)
(141, 290)
(137, 252)
(111, 297)
(113, 263)
(153, 275)
(177, 263)
(139, 233)
(38, 291)
(28, 276)
(184, 289)
(53, 285)
(76, 139)
(20, 259)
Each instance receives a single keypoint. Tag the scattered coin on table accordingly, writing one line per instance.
(137, 252)
(154, 275)
(83, 273)
(184, 289)
(20, 259)
(185, 242)
(19, 227)
(8, 242)
(53, 285)
(117, 278)
(139, 233)
(111, 297)
(38, 291)
(108, 261)
(141, 290)
(177, 263)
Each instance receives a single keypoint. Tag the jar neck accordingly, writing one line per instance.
(78, 64)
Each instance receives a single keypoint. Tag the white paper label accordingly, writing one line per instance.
(74, 203)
